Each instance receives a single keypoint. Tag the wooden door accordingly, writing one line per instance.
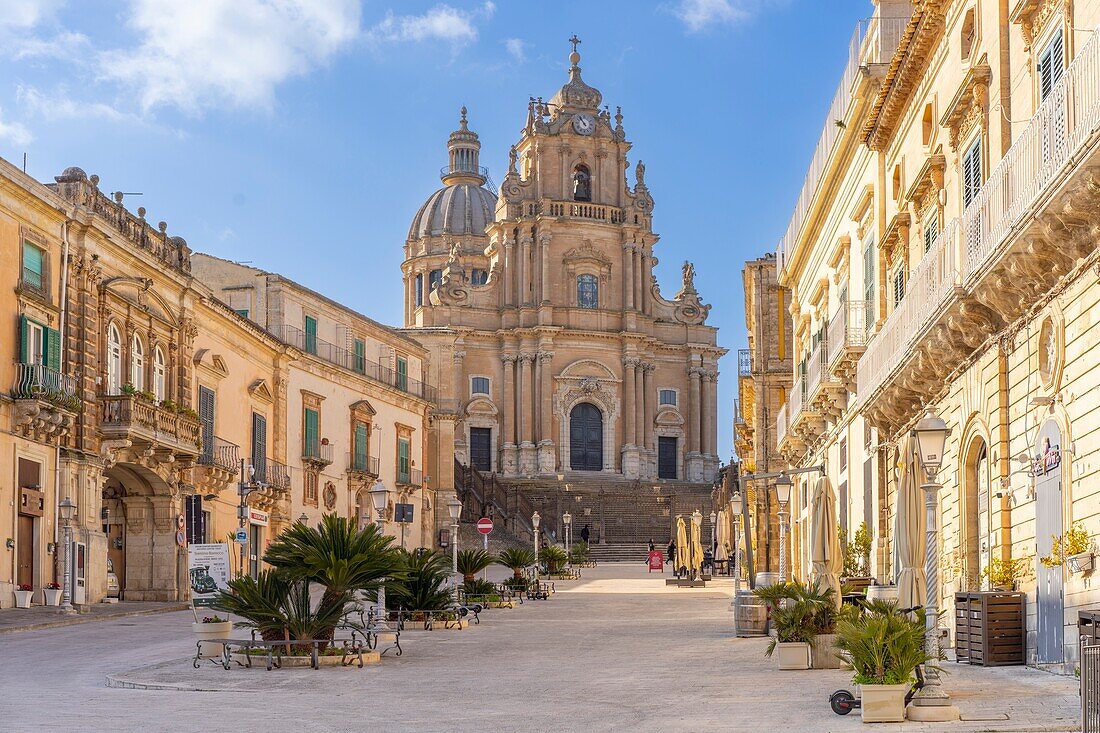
(24, 544)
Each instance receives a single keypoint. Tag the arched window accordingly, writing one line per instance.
(114, 360)
(160, 372)
(588, 291)
(434, 278)
(419, 289)
(137, 364)
(582, 184)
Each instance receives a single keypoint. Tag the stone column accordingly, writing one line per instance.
(645, 278)
(650, 405)
(707, 427)
(628, 277)
(694, 376)
(639, 404)
(525, 397)
(508, 440)
(636, 280)
(628, 401)
(544, 241)
(509, 270)
(546, 455)
(524, 270)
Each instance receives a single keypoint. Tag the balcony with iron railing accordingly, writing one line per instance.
(46, 402)
(363, 464)
(360, 365)
(317, 452)
(412, 478)
(33, 281)
(1029, 226)
(781, 425)
(218, 464)
(271, 473)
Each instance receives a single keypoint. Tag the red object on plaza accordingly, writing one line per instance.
(656, 561)
(485, 525)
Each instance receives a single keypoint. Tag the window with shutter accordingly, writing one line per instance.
(206, 418)
(972, 172)
(311, 334)
(259, 447)
(1051, 65)
(869, 270)
(402, 461)
(359, 457)
(402, 374)
(33, 342)
(53, 349)
(931, 231)
(360, 356)
(34, 268)
(310, 443)
(114, 360)
(899, 284)
(479, 385)
(420, 289)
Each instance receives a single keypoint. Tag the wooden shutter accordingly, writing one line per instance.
(869, 271)
(972, 172)
(24, 334)
(931, 231)
(1051, 66)
(259, 442)
(403, 460)
(360, 446)
(206, 417)
(53, 349)
(311, 334)
(310, 447)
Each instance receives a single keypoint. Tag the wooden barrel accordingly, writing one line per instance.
(751, 614)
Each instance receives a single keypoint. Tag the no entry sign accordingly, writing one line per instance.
(485, 525)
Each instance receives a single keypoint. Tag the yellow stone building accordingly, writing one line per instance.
(942, 255)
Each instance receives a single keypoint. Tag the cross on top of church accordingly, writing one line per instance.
(574, 40)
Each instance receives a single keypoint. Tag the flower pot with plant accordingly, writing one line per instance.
(212, 627)
(51, 594)
(1073, 548)
(884, 648)
(23, 595)
(1005, 575)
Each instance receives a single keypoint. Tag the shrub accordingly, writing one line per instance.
(1006, 573)
(1075, 541)
(799, 611)
(478, 587)
(857, 553)
(425, 585)
(516, 560)
(472, 562)
(883, 646)
(553, 557)
(579, 553)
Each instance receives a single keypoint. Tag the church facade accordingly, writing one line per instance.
(553, 348)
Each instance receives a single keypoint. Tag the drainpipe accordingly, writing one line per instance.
(1005, 458)
(63, 294)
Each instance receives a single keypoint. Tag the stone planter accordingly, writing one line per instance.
(221, 630)
(793, 655)
(51, 596)
(823, 652)
(298, 661)
(450, 625)
(23, 598)
(882, 593)
(883, 703)
(1081, 562)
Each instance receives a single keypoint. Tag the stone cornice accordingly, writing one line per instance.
(930, 176)
(896, 234)
(968, 104)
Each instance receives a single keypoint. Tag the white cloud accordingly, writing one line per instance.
(517, 49)
(26, 13)
(14, 132)
(209, 52)
(64, 45)
(441, 23)
(700, 15)
(58, 105)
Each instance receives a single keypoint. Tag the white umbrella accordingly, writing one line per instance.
(909, 527)
(825, 552)
(682, 549)
(696, 547)
(721, 553)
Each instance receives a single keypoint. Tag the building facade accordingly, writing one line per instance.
(958, 201)
(556, 352)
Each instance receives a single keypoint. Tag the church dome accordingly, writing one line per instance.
(460, 208)
(463, 205)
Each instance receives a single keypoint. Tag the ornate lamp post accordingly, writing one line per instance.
(379, 495)
(535, 524)
(567, 519)
(454, 509)
(931, 434)
(304, 518)
(67, 510)
(735, 501)
(783, 485)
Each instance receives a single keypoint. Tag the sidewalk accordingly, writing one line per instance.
(44, 617)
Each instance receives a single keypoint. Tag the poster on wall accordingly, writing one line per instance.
(208, 566)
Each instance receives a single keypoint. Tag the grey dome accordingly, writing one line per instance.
(462, 208)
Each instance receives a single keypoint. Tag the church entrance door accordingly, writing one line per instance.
(586, 438)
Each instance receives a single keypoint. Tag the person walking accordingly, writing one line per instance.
(585, 533)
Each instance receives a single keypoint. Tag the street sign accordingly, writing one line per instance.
(403, 513)
(241, 536)
(485, 525)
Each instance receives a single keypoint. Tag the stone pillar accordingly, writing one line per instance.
(639, 404)
(628, 401)
(544, 287)
(510, 463)
(628, 277)
(707, 425)
(457, 357)
(509, 271)
(645, 278)
(524, 270)
(525, 396)
(694, 376)
(636, 280)
(650, 405)
(547, 457)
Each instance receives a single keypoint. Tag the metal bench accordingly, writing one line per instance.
(272, 651)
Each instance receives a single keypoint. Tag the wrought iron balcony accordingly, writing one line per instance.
(45, 402)
(146, 425)
(33, 282)
(1029, 225)
(412, 478)
(218, 463)
(317, 453)
(738, 418)
(269, 472)
(363, 464)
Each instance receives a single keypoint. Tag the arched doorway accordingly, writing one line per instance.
(1048, 524)
(586, 438)
(974, 517)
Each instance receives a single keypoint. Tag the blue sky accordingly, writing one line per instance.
(302, 135)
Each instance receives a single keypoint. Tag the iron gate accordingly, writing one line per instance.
(1090, 688)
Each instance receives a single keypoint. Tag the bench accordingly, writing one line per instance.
(272, 651)
(371, 629)
(539, 590)
(450, 618)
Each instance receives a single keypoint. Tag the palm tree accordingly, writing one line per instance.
(472, 562)
(337, 555)
(553, 557)
(277, 607)
(516, 559)
(427, 576)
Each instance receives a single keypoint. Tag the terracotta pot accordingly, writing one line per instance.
(883, 703)
(793, 655)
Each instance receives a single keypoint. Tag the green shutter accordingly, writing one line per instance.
(402, 373)
(360, 458)
(53, 349)
(311, 334)
(360, 356)
(310, 447)
(403, 460)
(24, 334)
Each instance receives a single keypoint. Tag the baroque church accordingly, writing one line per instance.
(554, 351)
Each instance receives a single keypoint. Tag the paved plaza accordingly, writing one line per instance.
(615, 651)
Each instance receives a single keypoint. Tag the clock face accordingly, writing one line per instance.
(584, 124)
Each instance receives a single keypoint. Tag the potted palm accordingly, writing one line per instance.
(51, 594)
(472, 562)
(426, 583)
(516, 560)
(553, 558)
(23, 595)
(884, 648)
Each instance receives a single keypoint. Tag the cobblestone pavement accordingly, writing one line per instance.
(615, 651)
(45, 617)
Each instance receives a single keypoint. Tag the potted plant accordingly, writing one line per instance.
(1073, 548)
(884, 648)
(516, 560)
(553, 558)
(857, 558)
(23, 595)
(1003, 575)
(212, 627)
(472, 562)
(51, 594)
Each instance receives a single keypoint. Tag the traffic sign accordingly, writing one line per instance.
(485, 525)
(241, 536)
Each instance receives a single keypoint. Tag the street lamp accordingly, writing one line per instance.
(713, 530)
(244, 488)
(67, 510)
(379, 495)
(735, 504)
(567, 518)
(304, 518)
(535, 525)
(697, 520)
(454, 509)
(783, 485)
(931, 435)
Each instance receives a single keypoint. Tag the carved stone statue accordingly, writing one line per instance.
(512, 159)
(582, 186)
(689, 276)
(639, 173)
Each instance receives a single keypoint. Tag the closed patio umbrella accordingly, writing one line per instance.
(696, 547)
(721, 553)
(909, 527)
(682, 549)
(825, 553)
